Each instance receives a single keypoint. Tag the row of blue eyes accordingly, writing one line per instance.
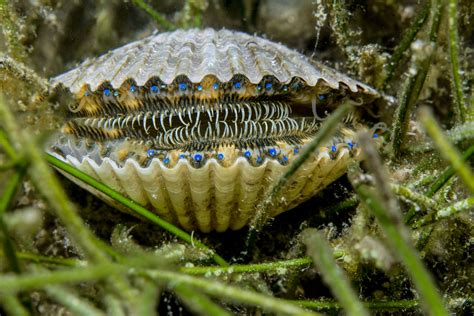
(184, 87)
(248, 154)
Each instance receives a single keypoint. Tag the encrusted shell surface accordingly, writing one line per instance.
(212, 194)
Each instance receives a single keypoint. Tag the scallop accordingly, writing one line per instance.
(198, 125)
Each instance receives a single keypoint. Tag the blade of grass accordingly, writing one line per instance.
(149, 297)
(458, 207)
(157, 17)
(198, 303)
(261, 214)
(406, 252)
(231, 293)
(13, 284)
(414, 84)
(75, 304)
(250, 268)
(319, 250)
(5, 200)
(459, 97)
(6, 145)
(439, 182)
(31, 257)
(22, 72)
(49, 187)
(13, 306)
(420, 200)
(380, 305)
(457, 135)
(191, 14)
(406, 41)
(136, 208)
(383, 206)
(447, 150)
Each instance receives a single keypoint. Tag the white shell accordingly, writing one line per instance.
(213, 197)
(198, 53)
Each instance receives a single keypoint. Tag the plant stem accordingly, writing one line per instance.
(157, 17)
(414, 266)
(49, 187)
(464, 205)
(136, 208)
(248, 268)
(413, 86)
(439, 182)
(13, 306)
(11, 152)
(31, 257)
(198, 303)
(459, 98)
(75, 304)
(5, 201)
(421, 200)
(447, 150)
(319, 250)
(22, 72)
(378, 305)
(231, 293)
(13, 284)
(406, 41)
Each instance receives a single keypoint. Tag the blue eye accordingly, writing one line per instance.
(133, 89)
(150, 152)
(199, 88)
(268, 86)
(272, 152)
(285, 88)
(166, 161)
(285, 158)
(322, 97)
(215, 86)
(220, 156)
(154, 89)
(259, 87)
(107, 92)
(296, 150)
(87, 93)
(248, 154)
(350, 144)
(182, 156)
(183, 86)
(376, 135)
(238, 85)
(116, 93)
(333, 148)
(198, 157)
(259, 159)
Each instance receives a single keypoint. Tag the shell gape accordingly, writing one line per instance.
(209, 118)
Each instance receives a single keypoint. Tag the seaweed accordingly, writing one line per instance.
(399, 224)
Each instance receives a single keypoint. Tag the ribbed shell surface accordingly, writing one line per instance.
(212, 197)
(199, 53)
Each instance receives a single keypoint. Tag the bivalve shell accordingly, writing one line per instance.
(198, 125)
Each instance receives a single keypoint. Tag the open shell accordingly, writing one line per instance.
(211, 196)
